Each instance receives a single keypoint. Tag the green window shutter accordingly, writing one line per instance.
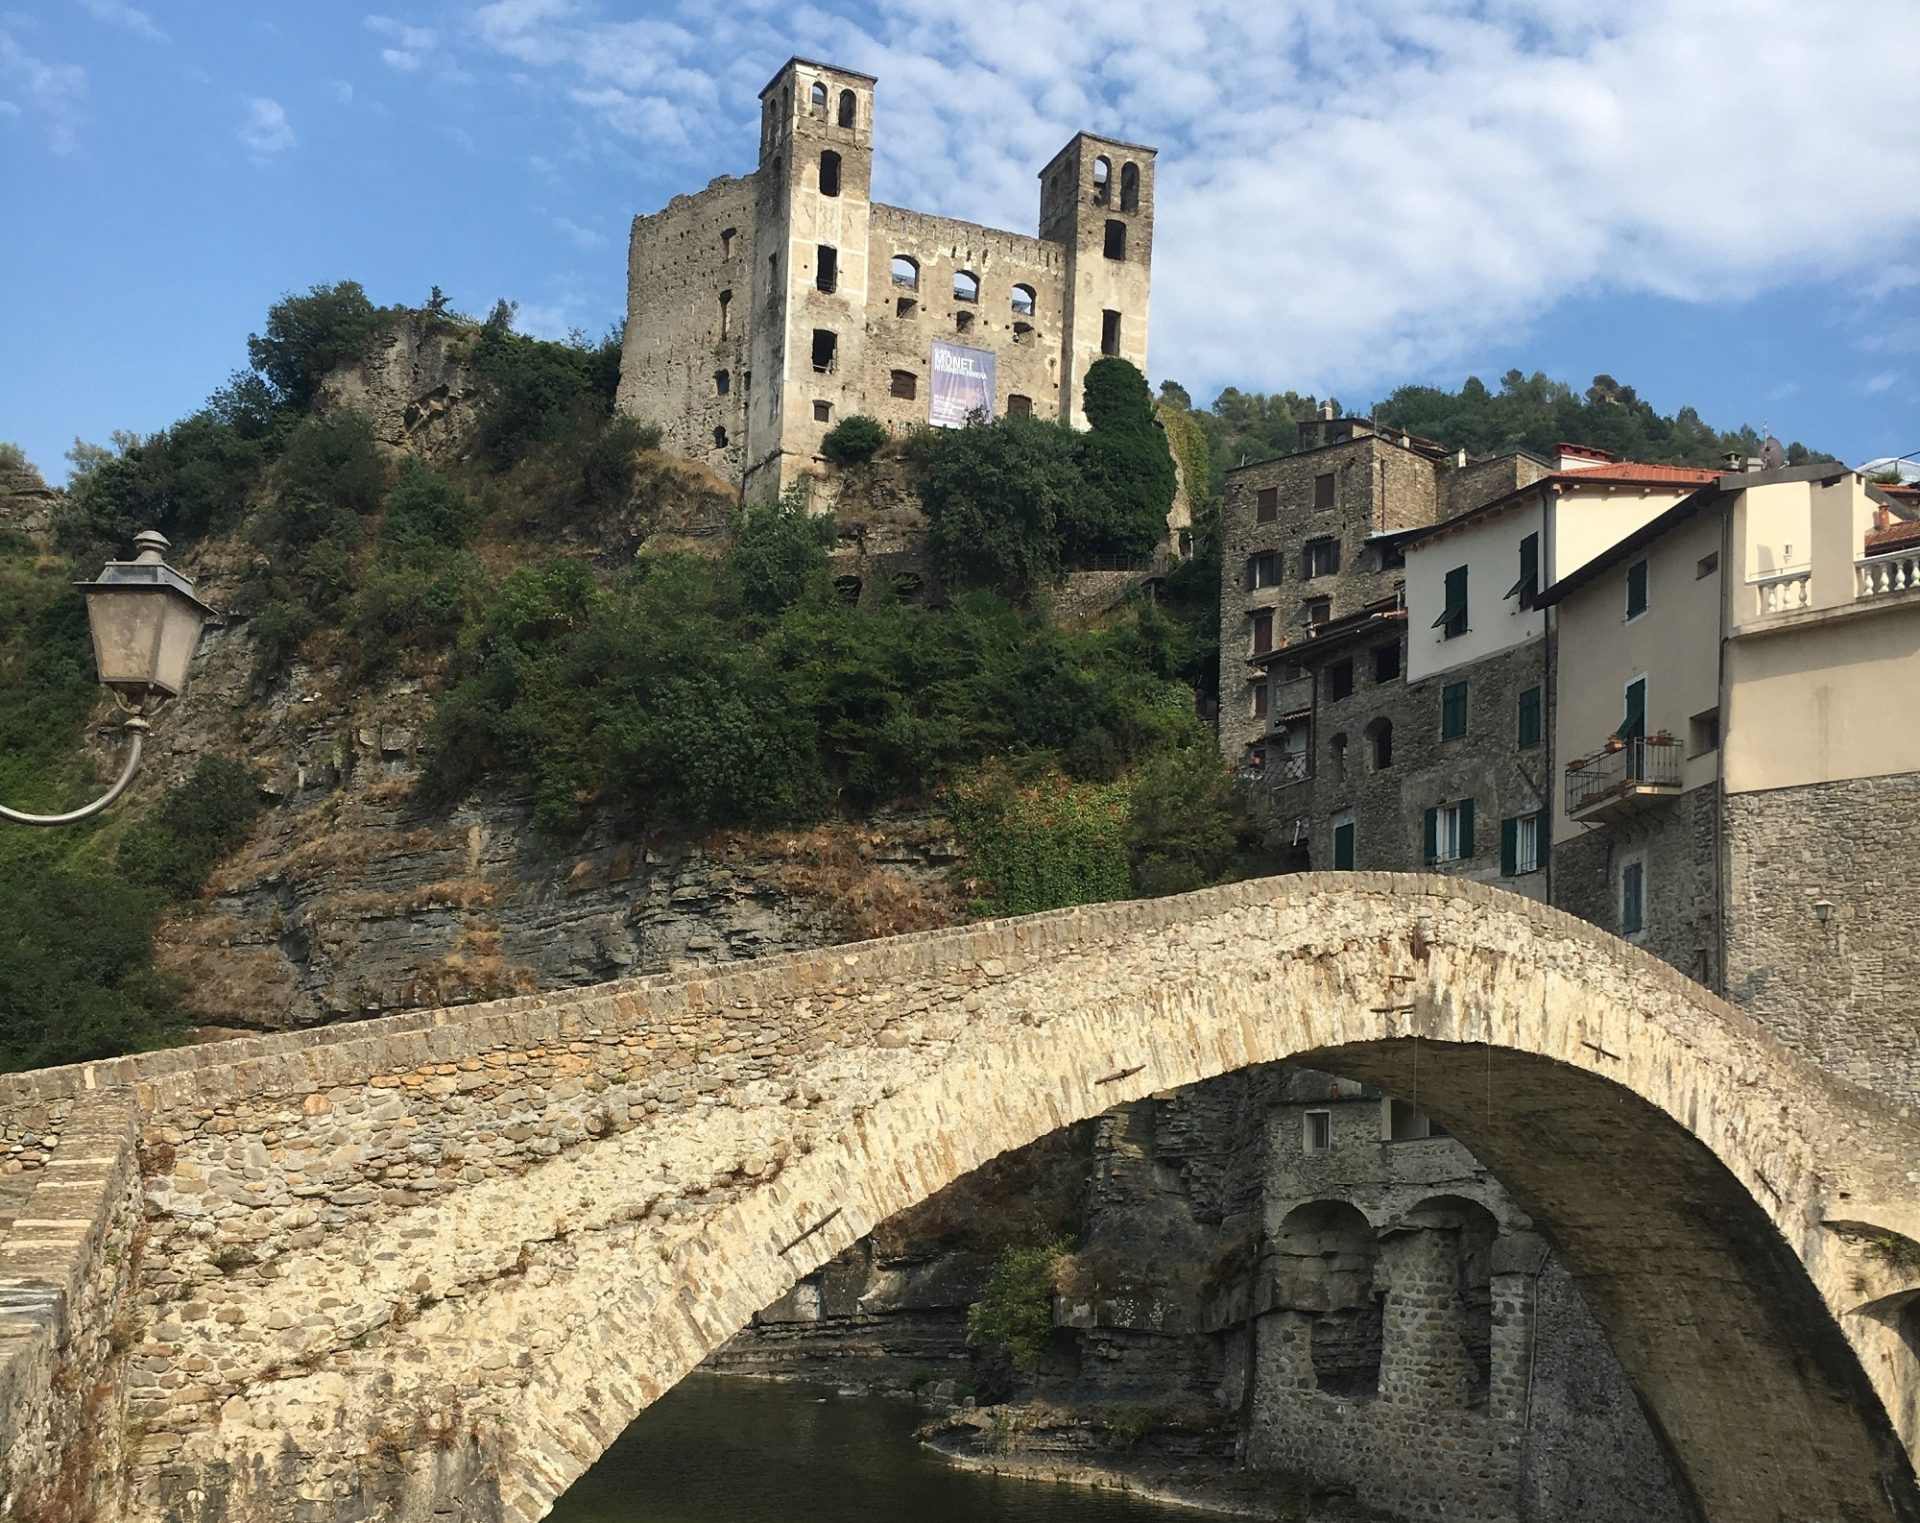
(1453, 711)
(1529, 718)
(1432, 834)
(1636, 588)
(1466, 828)
(1343, 847)
(1635, 722)
(1529, 582)
(1509, 848)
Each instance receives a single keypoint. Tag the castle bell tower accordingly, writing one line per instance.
(813, 206)
(1096, 200)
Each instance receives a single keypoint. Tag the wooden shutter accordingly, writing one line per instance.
(1466, 828)
(1509, 847)
(1432, 834)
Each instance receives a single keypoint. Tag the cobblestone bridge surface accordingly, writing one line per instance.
(430, 1266)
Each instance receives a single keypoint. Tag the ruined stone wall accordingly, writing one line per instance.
(1467, 486)
(1677, 839)
(678, 263)
(1026, 349)
(416, 387)
(1842, 992)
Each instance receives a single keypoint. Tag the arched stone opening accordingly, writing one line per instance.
(1322, 1285)
(1442, 1301)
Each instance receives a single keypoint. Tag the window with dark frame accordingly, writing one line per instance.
(1019, 406)
(1323, 490)
(1529, 726)
(822, 412)
(722, 383)
(1340, 681)
(1257, 691)
(1317, 1132)
(903, 384)
(1706, 565)
(1343, 844)
(1320, 557)
(1266, 505)
(1633, 898)
(1380, 734)
(1528, 587)
(1520, 845)
(1453, 711)
(1262, 631)
(826, 351)
(1263, 570)
(1115, 242)
(1316, 611)
(1452, 622)
(826, 267)
(829, 172)
(1448, 831)
(1636, 589)
(1386, 662)
(1109, 332)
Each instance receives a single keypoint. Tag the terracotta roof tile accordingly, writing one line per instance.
(1894, 537)
(1634, 470)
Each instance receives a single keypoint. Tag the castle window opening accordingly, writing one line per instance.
(776, 166)
(1023, 301)
(906, 272)
(726, 312)
(1019, 406)
(904, 307)
(1321, 557)
(1262, 631)
(823, 412)
(746, 382)
(817, 100)
(826, 351)
(1109, 332)
(1386, 661)
(847, 588)
(829, 172)
(962, 321)
(719, 437)
(1323, 490)
(903, 384)
(727, 235)
(1022, 332)
(1340, 680)
(1129, 187)
(773, 277)
(1266, 505)
(966, 286)
(1102, 174)
(847, 108)
(1116, 239)
(826, 267)
(1380, 736)
(722, 383)
(1337, 756)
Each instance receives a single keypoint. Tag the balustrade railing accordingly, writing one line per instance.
(1782, 591)
(1878, 575)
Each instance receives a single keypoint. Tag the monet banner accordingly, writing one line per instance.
(962, 384)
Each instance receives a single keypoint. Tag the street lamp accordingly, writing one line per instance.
(146, 624)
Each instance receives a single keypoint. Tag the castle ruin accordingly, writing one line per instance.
(765, 308)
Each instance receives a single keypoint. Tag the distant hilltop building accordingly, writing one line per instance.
(764, 309)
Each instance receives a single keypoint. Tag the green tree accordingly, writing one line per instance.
(1015, 1309)
(1126, 464)
(998, 494)
(779, 551)
(853, 440)
(1182, 821)
(309, 336)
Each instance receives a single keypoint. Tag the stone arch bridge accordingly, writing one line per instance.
(430, 1266)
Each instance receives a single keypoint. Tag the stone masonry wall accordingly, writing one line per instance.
(1676, 839)
(1377, 485)
(1842, 992)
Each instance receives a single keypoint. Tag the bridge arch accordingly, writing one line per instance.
(1713, 1195)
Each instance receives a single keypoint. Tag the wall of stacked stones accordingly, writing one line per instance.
(68, 1248)
(1845, 991)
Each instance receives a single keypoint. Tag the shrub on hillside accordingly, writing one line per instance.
(997, 494)
(779, 550)
(309, 336)
(196, 823)
(1040, 844)
(1015, 1309)
(853, 440)
(1182, 821)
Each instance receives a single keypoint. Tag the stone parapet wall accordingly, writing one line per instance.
(66, 1260)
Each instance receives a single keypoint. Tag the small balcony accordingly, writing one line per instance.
(1623, 777)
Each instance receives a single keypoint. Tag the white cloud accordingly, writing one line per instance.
(343, 92)
(1886, 380)
(117, 13)
(409, 46)
(582, 237)
(265, 130)
(50, 92)
(8, 108)
(1347, 189)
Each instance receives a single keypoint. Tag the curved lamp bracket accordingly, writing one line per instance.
(137, 731)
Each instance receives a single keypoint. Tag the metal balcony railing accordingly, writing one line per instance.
(1622, 768)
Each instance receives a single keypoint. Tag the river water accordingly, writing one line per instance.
(719, 1450)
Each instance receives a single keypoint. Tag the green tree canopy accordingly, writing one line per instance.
(309, 336)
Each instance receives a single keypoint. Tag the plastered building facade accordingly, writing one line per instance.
(766, 308)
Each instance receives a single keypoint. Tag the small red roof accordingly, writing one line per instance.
(1896, 536)
(1634, 470)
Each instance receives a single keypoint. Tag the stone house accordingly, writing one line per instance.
(1740, 756)
(1312, 537)
(767, 307)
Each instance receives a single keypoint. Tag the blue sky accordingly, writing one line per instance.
(1714, 202)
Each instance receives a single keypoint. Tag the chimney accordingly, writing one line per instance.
(1734, 461)
(1461, 457)
(1882, 516)
(1326, 411)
